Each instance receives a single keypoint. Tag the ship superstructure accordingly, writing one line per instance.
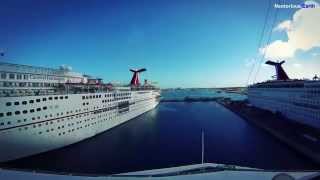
(42, 109)
(295, 99)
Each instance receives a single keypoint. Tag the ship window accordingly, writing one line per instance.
(1, 124)
(31, 101)
(32, 110)
(44, 99)
(61, 97)
(17, 112)
(8, 103)
(25, 76)
(3, 75)
(9, 113)
(16, 103)
(9, 123)
(24, 102)
(90, 97)
(19, 76)
(56, 97)
(83, 97)
(38, 100)
(50, 98)
(66, 97)
(45, 108)
(24, 111)
(11, 76)
(1, 114)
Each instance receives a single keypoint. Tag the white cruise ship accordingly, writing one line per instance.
(297, 100)
(42, 109)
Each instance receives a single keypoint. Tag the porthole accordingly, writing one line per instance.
(37, 100)
(8, 103)
(9, 113)
(44, 99)
(56, 97)
(16, 103)
(66, 97)
(24, 102)
(1, 114)
(61, 97)
(31, 101)
(38, 109)
(50, 98)
(17, 112)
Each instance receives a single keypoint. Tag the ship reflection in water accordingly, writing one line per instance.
(170, 135)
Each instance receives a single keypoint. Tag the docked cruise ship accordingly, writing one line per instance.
(295, 99)
(42, 109)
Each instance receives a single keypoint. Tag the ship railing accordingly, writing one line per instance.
(37, 92)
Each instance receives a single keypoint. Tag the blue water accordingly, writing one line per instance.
(170, 135)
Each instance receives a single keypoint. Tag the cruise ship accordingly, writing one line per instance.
(42, 109)
(295, 99)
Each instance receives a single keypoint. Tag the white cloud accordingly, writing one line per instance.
(303, 33)
(297, 65)
(285, 25)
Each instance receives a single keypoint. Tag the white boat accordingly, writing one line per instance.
(42, 109)
(297, 100)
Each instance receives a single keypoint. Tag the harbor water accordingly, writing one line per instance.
(170, 135)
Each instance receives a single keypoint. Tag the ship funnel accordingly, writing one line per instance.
(135, 77)
(281, 74)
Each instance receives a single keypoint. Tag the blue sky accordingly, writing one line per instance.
(190, 43)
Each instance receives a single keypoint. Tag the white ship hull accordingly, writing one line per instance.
(301, 104)
(66, 121)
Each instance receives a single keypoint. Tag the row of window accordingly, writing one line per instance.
(58, 114)
(26, 84)
(69, 118)
(37, 100)
(61, 114)
(19, 76)
(106, 95)
(24, 111)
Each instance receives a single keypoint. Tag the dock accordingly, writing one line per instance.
(302, 138)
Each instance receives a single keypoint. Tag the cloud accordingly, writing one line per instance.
(303, 33)
(285, 25)
(297, 65)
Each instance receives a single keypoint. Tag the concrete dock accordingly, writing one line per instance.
(300, 137)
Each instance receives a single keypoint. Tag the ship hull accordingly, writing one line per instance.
(41, 134)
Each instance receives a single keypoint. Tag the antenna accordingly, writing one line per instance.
(202, 147)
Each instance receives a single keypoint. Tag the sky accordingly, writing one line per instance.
(181, 43)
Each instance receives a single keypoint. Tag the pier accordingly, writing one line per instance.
(302, 138)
